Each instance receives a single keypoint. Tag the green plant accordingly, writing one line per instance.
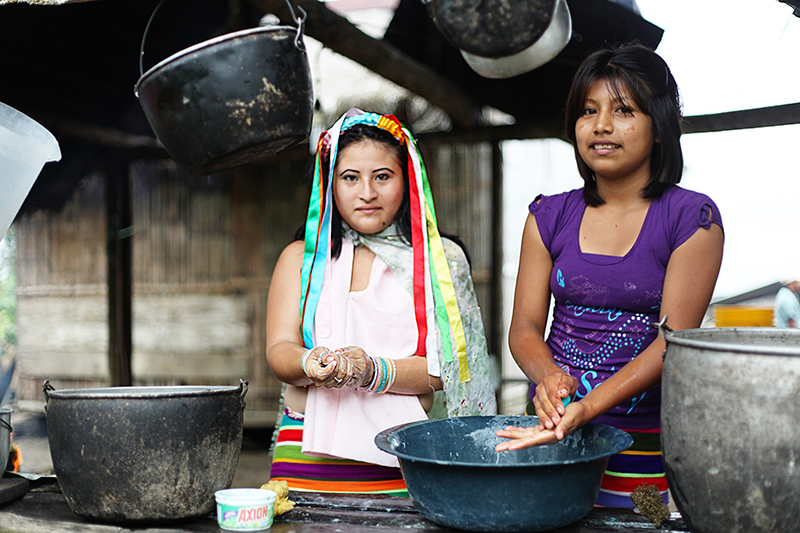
(8, 295)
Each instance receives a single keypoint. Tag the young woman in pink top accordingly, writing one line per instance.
(352, 321)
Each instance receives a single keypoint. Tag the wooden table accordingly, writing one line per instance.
(44, 510)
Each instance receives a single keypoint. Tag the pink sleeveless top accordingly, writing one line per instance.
(380, 319)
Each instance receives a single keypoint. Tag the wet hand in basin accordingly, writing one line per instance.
(540, 435)
(525, 437)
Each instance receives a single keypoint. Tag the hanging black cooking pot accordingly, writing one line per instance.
(139, 454)
(232, 100)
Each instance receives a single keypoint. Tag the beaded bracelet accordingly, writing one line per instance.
(392, 376)
(384, 372)
(366, 387)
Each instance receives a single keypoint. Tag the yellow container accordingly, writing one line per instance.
(730, 316)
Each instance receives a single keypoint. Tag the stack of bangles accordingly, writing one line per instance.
(383, 373)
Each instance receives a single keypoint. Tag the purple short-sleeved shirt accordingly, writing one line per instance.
(604, 304)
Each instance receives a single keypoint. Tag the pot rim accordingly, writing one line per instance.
(734, 345)
(383, 441)
(210, 42)
(543, 50)
(143, 392)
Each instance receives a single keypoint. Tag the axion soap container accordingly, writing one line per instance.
(245, 509)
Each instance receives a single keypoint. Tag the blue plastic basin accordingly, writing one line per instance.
(456, 479)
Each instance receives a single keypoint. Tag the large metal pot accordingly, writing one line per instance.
(127, 454)
(5, 435)
(232, 100)
(730, 428)
(456, 478)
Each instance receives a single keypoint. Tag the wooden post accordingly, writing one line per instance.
(118, 251)
(496, 340)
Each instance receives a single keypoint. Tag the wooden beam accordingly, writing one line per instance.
(523, 131)
(763, 117)
(338, 34)
(43, 2)
(143, 146)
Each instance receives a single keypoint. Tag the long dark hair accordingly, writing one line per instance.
(642, 73)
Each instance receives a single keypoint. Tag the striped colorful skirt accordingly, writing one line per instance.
(638, 465)
(314, 474)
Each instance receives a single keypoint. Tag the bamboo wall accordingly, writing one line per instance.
(203, 252)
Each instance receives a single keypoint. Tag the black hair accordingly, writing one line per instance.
(642, 73)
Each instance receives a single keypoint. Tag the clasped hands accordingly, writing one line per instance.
(556, 420)
(332, 369)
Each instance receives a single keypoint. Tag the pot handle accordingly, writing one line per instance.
(242, 391)
(300, 21)
(146, 31)
(664, 329)
(298, 40)
(46, 389)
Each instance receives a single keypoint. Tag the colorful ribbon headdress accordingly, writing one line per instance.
(434, 296)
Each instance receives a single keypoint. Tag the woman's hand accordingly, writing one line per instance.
(316, 365)
(574, 417)
(348, 366)
(525, 437)
(324, 368)
(361, 366)
(550, 393)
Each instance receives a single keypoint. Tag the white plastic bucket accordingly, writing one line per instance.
(245, 509)
(5, 437)
(25, 146)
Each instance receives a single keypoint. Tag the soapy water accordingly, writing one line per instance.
(485, 440)
(461, 441)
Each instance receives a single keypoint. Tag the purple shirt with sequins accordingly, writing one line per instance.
(604, 304)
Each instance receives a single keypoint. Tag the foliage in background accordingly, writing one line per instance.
(8, 296)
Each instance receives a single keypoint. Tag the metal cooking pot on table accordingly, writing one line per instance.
(730, 428)
(128, 454)
(456, 478)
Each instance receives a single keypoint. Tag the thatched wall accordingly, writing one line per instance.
(203, 253)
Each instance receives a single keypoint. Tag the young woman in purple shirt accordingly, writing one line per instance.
(620, 253)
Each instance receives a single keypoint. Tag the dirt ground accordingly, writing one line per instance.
(30, 434)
